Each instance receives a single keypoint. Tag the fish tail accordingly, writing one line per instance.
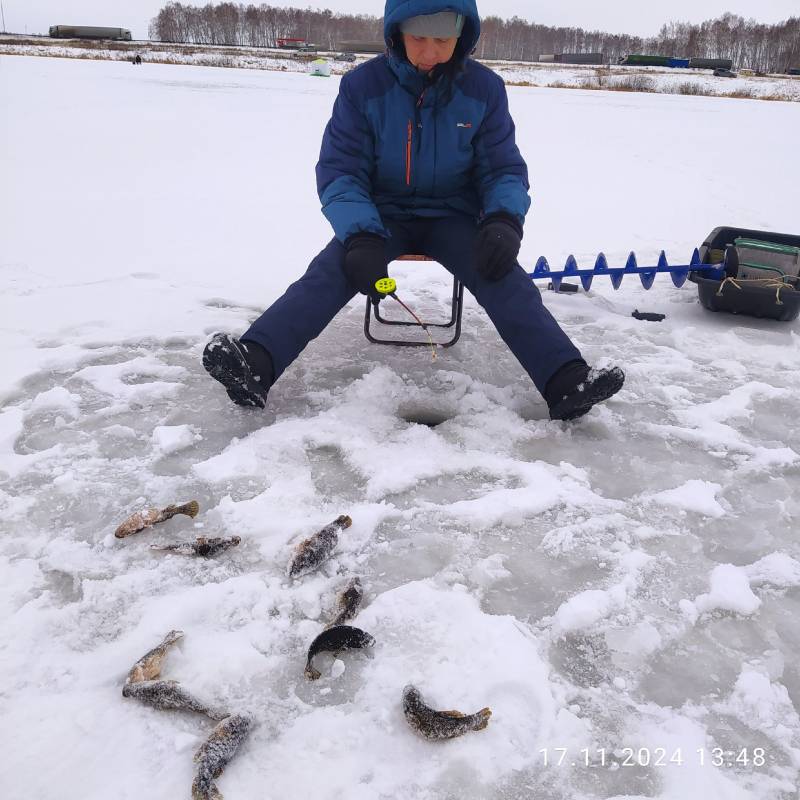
(190, 509)
(483, 718)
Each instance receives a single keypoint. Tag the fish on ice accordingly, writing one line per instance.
(437, 725)
(152, 516)
(206, 548)
(314, 551)
(334, 640)
(349, 602)
(145, 685)
(215, 754)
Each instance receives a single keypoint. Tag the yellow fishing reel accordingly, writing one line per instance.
(386, 286)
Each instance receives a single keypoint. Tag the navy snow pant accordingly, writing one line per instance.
(513, 303)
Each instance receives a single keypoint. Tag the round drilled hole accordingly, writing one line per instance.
(422, 415)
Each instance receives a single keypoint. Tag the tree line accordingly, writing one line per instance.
(749, 44)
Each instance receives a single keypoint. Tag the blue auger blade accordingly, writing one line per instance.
(647, 278)
(541, 270)
(571, 267)
(679, 277)
(600, 267)
(618, 274)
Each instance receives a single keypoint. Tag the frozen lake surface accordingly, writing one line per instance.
(629, 581)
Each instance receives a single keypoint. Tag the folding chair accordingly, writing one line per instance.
(457, 307)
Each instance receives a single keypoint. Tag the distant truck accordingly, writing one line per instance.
(711, 63)
(87, 32)
(572, 58)
(291, 44)
(361, 47)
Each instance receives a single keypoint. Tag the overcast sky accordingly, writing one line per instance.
(618, 16)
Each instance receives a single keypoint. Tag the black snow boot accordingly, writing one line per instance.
(575, 388)
(243, 368)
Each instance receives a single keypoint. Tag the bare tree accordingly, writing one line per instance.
(765, 48)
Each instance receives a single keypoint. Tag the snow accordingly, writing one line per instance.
(626, 581)
(776, 569)
(730, 591)
(695, 495)
(658, 79)
(170, 439)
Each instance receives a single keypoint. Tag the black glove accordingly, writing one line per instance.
(365, 263)
(497, 246)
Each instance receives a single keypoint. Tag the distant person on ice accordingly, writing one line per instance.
(419, 156)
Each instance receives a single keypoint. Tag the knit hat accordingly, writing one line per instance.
(444, 25)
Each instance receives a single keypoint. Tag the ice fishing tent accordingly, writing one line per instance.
(320, 68)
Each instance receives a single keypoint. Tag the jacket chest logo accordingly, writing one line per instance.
(463, 124)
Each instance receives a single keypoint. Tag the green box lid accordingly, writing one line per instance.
(768, 247)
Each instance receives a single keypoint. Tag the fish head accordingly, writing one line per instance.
(411, 698)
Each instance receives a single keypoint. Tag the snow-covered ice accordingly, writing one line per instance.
(628, 581)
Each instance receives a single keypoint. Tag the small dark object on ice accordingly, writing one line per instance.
(342, 637)
(245, 369)
(349, 602)
(564, 288)
(648, 316)
(595, 386)
(202, 547)
(312, 552)
(438, 725)
(143, 683)
(215, 754)
(151, 516)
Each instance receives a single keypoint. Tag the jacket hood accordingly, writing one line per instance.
(398, 10)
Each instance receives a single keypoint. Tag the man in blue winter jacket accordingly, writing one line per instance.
(419, 156)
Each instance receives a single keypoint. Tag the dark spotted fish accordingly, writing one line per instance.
(342, 637)
(152, 516)
(143, 683)
(437, 725)
(215, 754)
(349, 602)
(169, 696)
(202, 547)
(315, 550)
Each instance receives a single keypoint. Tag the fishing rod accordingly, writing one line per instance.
(388, 287)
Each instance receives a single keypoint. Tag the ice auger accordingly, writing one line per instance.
(647, 275)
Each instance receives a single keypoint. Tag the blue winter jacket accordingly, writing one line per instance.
(399, 147)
